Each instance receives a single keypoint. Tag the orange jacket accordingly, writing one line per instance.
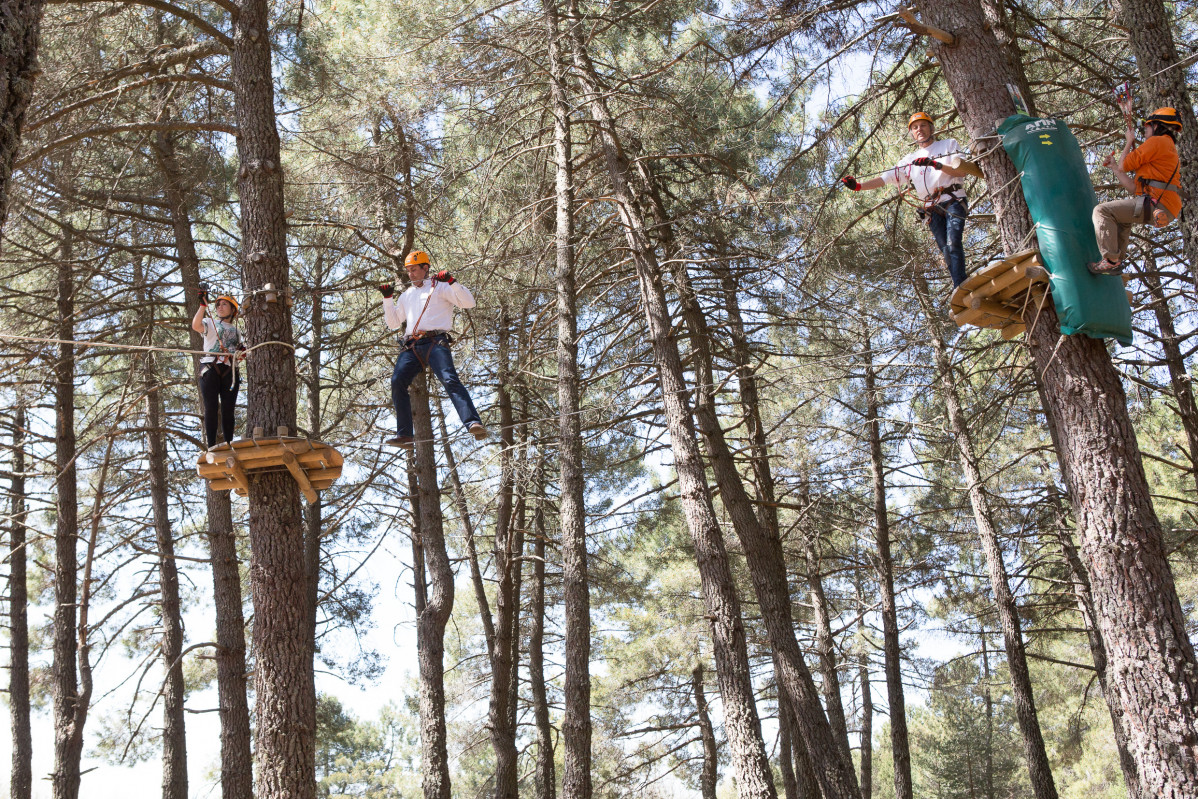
(1156, 159)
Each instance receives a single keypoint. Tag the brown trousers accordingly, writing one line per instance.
(1112, 226)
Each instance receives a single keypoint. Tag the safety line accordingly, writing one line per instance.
(142, 347)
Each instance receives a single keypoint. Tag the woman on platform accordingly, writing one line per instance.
(219, 376)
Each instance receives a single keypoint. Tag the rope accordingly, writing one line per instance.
(84, 343)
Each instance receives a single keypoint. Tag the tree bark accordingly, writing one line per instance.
(891, 646)
(70, 702)
(761, 545)
(20, 20)
(719, 592)
(1039, 769)
(576, 720)
(545, 778)
(174, 729)
(1179, 377)
(710, 773)
(232, 683)
(826, 645)
(503, 736)
(285, 756)
(21, 776)
(1085, 606)
(434, 604)
(236, 771)
(1154, 670)
(863, 675)
(314, 513)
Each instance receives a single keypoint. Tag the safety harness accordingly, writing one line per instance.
(939, 198)
(1146, 205)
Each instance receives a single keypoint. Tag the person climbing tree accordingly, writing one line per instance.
(219, 377)
(1156, 186)
(426, 313)
(934, 171)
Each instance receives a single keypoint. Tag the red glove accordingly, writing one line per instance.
(851, 182)
(444, 277)
(925, 161)
(387, 290)
(203, 292)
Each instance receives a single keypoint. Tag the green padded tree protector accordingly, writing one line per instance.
(1057, 188)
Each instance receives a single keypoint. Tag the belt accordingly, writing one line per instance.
(424, 334)
(936, 196)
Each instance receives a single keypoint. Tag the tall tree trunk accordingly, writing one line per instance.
(1163, 83)
(434, 603)
(711, 756)
(174, 729)
(70, 706)
(988, 702)
(1039, 769)
(1135, 598)
(314, 513)
(761, 545)
(1179, 376)
(826, 644)
(285, 756)
(891, 646)
(232, 682)
(503, 738)
(786, 764)
(741, 721)
(21, 775)
(236, 773)
(867, 710)
(21, 23)
(1085, 606)
(576, 721)
(545, 777)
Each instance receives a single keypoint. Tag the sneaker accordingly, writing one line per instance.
(478, 431)
(403, 442)
(1105, 267)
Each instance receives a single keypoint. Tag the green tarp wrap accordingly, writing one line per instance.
(1057, 188)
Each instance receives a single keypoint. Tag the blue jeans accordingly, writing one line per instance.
(948, 226)
(433, 351)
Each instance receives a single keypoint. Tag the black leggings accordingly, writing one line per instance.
(218, 390)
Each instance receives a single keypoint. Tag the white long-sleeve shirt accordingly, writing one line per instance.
(927, 179)
(404, 310)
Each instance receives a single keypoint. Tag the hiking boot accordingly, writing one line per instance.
(403, 442)
(477, 430)
(1105, 267)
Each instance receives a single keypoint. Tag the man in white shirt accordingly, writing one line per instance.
(425, 311)
(934, 170)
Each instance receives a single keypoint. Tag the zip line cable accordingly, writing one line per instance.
(85, 343)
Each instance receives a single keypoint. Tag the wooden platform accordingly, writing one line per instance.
(314, 464)
(1003, 296)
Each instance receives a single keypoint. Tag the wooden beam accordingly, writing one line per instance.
(300, 477)
(915, 25)
(237, 473)
(1011, 331)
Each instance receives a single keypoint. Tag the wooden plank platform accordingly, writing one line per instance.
(998, 296)
(315, 465)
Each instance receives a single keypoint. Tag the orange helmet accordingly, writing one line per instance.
(1165, 116)
(231, 301)
(416, 257)
(920, 116)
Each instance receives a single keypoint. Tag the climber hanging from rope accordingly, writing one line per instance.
(1156, 186)
(425, 311)
(935, 171)
(219, 376)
